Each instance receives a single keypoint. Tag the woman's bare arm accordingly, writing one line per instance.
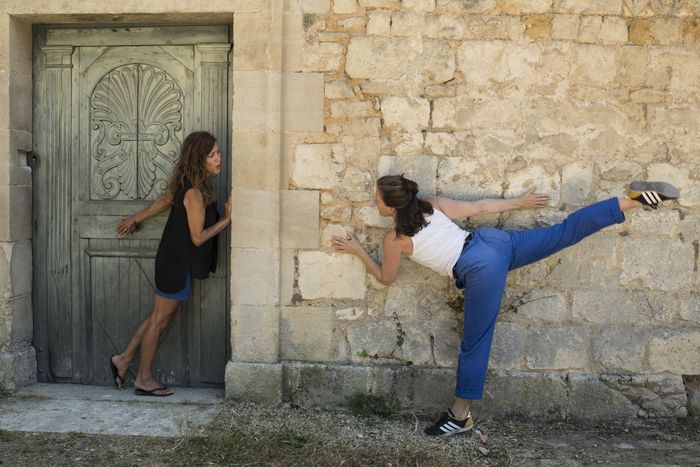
(195, 208)
(386, 271)
(455, 209)
(128, 223)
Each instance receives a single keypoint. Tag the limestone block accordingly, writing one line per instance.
(349, 109)
(590, 398)
(306, 333)
(20, 254)
(468, 178)
(407, 24)
(441, 144)
(640, 32)
(254, 382)
(303, 94)
(369, 216)
(315, 6)
(525, 7)
(336, 275)
(590, 29)
(419, 6)
(379, 23)
(420, 169)
(460, 6)
(340, 213)
(656, 395)
(293, 44)
(251, 34)
(675, 350)
(256, 280)
(256, 101)
(508, 348)
(565, 27)
(426, 389)
(318, 165)
(444, 27)
(690, 307)
(255, 160)
(15, 210)
(558, 348)
(665, 264)
(594, 65)
(662, 223)
(334, 230)
(620, 348)
(483, 27)
(621, 306)
(465, 113)
(577, 183)
(385, 58)
(667, 31)
(379, 3)
(256, 218)
(17, 366)
(541, 304)
(523, 393)
(343, 7)
(406, 144)
(326, 386)
(324, 57)
(300, 213)
(690, 227)
(338, 89)
(613, 30)
(590, 7)
(539, 177)
(377, 337)
(255, 333)
(538, 27)
(405, 112)
(483, 62)
(598, 269)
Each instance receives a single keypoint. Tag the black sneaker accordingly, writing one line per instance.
(652, 194)
(448, 425)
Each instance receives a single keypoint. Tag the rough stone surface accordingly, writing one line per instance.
(421, 169)
(619, 348)
(675, 350)
(259, 382)
(333, 275)
(318, 165)
(668, 265)
(557, 348)
(306, 333)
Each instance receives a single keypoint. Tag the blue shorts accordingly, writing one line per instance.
(182, 295)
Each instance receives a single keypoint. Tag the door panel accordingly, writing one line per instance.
(121, 113)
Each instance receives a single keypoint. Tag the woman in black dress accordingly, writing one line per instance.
(187, 249)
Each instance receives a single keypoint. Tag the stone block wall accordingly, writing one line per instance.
(488, 98)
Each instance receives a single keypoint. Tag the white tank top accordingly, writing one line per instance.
(439, 244)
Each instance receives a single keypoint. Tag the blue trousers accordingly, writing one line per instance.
(483, 267)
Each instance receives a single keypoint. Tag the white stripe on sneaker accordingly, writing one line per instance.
(646, 197)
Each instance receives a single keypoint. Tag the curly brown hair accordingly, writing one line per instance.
(400, 193)
(190, 165)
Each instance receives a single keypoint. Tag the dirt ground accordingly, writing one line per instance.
(247, 434)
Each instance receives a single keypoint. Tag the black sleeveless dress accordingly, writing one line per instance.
(177, 255)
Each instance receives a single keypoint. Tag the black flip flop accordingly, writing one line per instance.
(116, 376)
(152, 392)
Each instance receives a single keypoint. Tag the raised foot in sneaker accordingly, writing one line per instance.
(652, 194)
(448, 425)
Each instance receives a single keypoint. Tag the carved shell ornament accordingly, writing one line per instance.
(135, 135)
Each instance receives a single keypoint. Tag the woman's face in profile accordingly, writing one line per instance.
(212, 163)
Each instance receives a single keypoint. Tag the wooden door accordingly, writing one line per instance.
(112, 106)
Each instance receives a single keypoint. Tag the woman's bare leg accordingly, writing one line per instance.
(123, 360)
(460, 407)
(163, 311)
(626, 204)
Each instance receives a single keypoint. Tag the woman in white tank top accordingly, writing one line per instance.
(479, 261)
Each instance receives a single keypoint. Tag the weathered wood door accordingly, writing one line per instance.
(111, 108)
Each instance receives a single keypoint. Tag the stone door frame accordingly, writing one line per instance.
(270, 105)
